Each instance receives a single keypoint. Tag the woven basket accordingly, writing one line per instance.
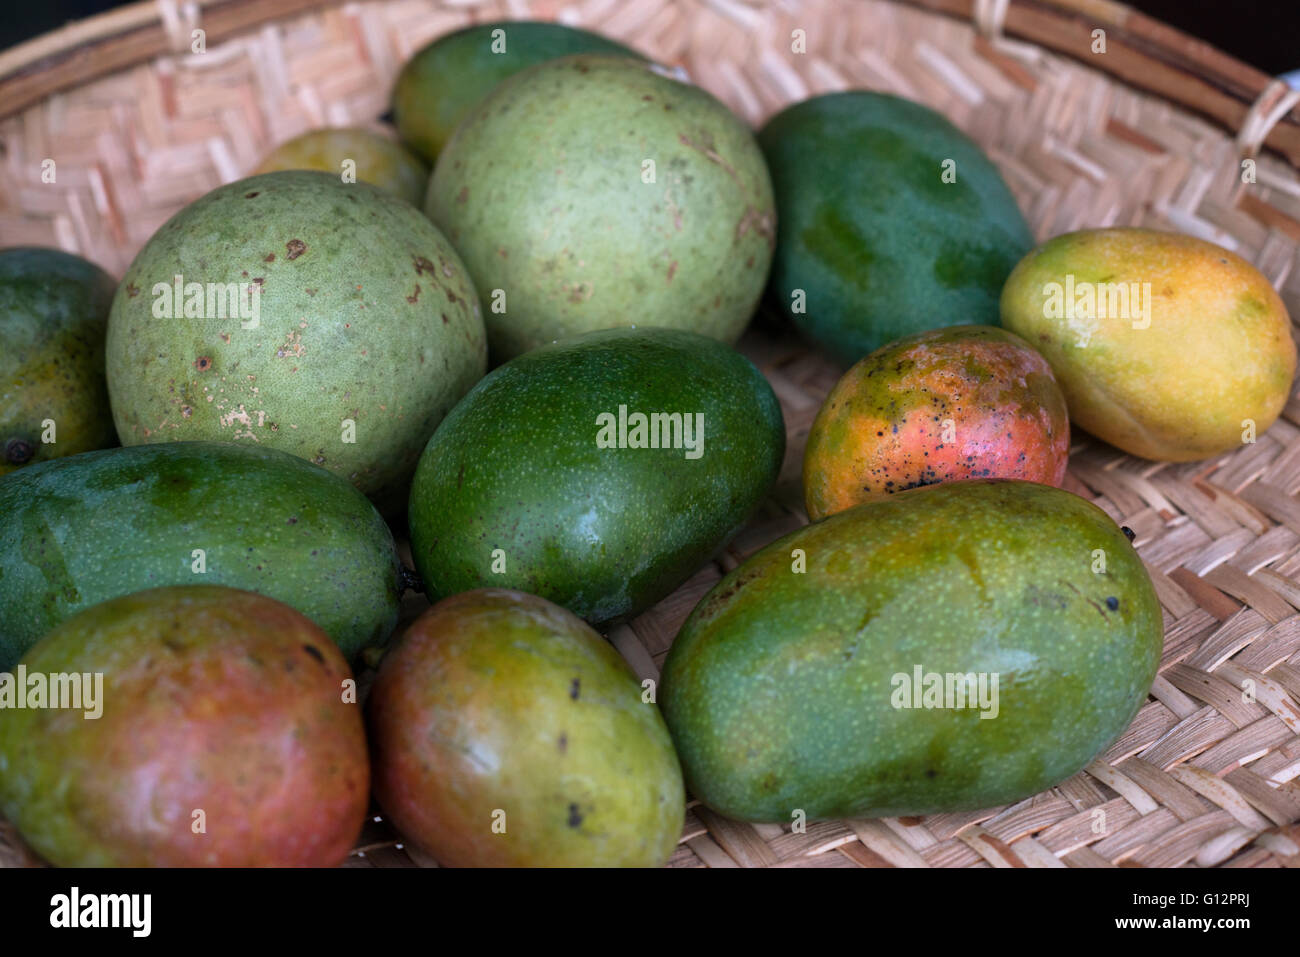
(1151, 132)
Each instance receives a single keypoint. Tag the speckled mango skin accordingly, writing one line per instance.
(495, 700)
(541, 191)
(604, 532)
(441, 83)
(84, 529)
(367, 314)
(379, 160)
(778, 688)
(1218, 349)
(881, 429)
(880, 245)
(53, 310)
(213, 699)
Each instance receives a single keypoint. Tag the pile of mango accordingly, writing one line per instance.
(508, 331)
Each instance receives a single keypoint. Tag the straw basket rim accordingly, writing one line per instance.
(1142, 51)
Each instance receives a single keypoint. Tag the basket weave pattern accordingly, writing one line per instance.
(1204, 776)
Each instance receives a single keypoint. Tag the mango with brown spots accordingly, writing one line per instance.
(596, 192)
(507, 733)
(1166, 346)
(956, 403)
(297, 312)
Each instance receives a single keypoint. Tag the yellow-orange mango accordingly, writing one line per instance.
(1167, 346)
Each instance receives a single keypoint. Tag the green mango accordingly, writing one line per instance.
(520, 488)
(874, 244)
(176, 700)
(444, 80)
(357, 328)
(594, 191)
(803, 680)
(507, 733)
(53, 309)
(81, 530)
(376, 159)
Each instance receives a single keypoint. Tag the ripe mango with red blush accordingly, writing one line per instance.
(963, 402)
(184, 726)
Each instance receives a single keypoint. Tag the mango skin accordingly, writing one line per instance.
(541, 192)
(366, 314)
(213, 699)
(881, 429)
(1218, 350)
(495, 700)
(778, 688)
(81, 530)
(53, 311)
(604, 532)
(442, 82)
(881, 247)
(379, 161)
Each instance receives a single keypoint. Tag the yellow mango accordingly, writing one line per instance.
(1166, 346)
(375, 159)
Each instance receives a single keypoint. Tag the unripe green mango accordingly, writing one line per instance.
(444, 80)
(593, 191)
(891, 222)
(358, 328)
(84, 529)
(507, 733)
(53, 310)
(791, 686)
(561, 473)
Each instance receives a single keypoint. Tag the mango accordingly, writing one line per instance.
(292, 310)
(1166, 346)
(53, 400)
(892, 222)
(598, 472)
(445, 79)
(948, 648)
(222, 737)
(374, 159)
(956, 403)
(507, 733)
(81, 530)
(592, 192)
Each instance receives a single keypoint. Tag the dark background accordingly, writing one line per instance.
(1264, 33)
